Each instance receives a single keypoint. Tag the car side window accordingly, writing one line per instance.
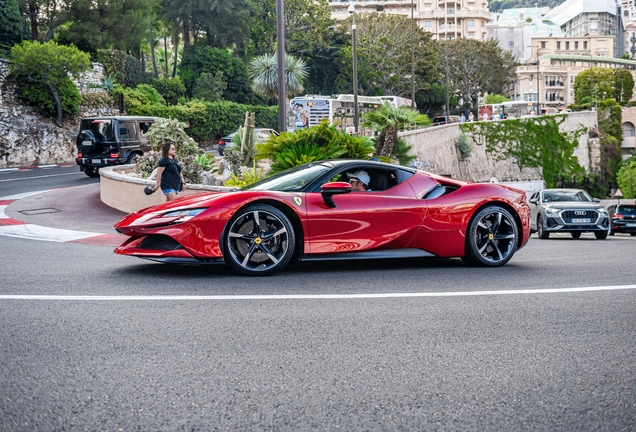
(127, 131)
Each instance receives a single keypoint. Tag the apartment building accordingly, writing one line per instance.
(446, 19)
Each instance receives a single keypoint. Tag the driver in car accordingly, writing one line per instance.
(359, 181)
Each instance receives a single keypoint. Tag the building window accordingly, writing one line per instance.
(576, 45)
(559, 45)
(471, 23)
(567, 46)
(511, 44)
(584, 44)
(451, 11)
(530, 97)
(542, 45)
(427, 24)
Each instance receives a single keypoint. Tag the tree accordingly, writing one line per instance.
(101, 24)
(495, 99)
(213, 60)
(388, 120)
(602, 86)
(263, 71)
(476, 68)
(50, 64)
(210, 87)
(626, 178)
(10, 25)
(384, 56)
(623, 85)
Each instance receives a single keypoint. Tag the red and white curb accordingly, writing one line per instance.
(10, 227)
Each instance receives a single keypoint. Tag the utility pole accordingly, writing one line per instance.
(282, 98)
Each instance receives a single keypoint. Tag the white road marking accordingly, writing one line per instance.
(37, 177)
(313, 296)
(37, 232)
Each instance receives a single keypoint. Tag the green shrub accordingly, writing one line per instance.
(39, 96)
(171, 89)
(136, 100)
(97, 100)
(401, 152)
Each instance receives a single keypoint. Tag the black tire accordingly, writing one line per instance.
(133, 158)
(92, 172)
(632, 234)
(576, 235)
(600, 235)
(259, 240)
(541, 232)
(611, 232)
(492, 237)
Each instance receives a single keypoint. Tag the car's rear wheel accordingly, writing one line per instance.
(576, 235)
(132, 159)
(632, 234)
(92, 171)
(492, 237)
(259, 240)
(600, 235)
(541, 232)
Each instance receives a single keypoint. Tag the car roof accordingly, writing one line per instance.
(121, 118)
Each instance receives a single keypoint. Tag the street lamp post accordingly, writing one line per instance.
(538, 85)
(412, 58)
(280, 30)
(352, 11)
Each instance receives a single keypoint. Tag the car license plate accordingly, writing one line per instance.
(581, 220)
(631, 225)
(96, 161)
(86, 143)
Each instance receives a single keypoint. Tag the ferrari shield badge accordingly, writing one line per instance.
(298, 201)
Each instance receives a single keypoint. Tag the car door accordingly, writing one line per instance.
(534, 211)
(363, 221)
(128, 136)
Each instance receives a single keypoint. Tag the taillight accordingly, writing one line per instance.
(79, 155)
(618, 216)
(114, 155)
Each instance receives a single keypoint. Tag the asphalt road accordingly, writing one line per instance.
(394, 345)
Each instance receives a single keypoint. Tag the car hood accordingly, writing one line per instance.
(573, 205)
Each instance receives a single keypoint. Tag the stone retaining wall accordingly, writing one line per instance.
(435, 146)
(27, 138)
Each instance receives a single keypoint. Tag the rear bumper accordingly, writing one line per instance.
(99, 161)
(624, 227)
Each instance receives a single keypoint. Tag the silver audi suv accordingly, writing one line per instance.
(567, 210)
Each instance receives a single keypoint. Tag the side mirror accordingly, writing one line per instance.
(534, 201)
(596, 200)
(328, 190)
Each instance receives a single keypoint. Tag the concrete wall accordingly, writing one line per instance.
(120, 190)
(435, 146)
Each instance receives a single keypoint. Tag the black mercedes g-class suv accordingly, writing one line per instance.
(107, 141)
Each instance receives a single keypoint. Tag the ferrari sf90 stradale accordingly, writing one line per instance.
(310, 213)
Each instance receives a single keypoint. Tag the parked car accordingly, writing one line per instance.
(572, 211)
(622, 219)
(261, 135)
(310, 213)
(108, 141)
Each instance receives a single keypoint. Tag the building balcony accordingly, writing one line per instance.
(555, 84)
(628, 142)
(632, 39)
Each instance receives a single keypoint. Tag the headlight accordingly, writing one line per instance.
(602, 211)
(183, 215)
(552, 210)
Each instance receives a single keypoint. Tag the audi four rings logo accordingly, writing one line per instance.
(580, 212)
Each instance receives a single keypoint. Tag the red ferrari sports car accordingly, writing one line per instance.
(310, 213)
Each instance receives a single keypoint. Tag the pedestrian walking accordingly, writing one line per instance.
(169, 176)
(471, 117)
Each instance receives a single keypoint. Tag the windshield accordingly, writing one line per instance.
(104, 127)
(566, 195)
(291, 180)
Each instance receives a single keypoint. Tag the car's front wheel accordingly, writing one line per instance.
(259, 240)
(541, 232)
(492, 237)
(600, 235)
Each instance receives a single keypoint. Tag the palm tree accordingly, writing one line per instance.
(388, 120)
(263, 71)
